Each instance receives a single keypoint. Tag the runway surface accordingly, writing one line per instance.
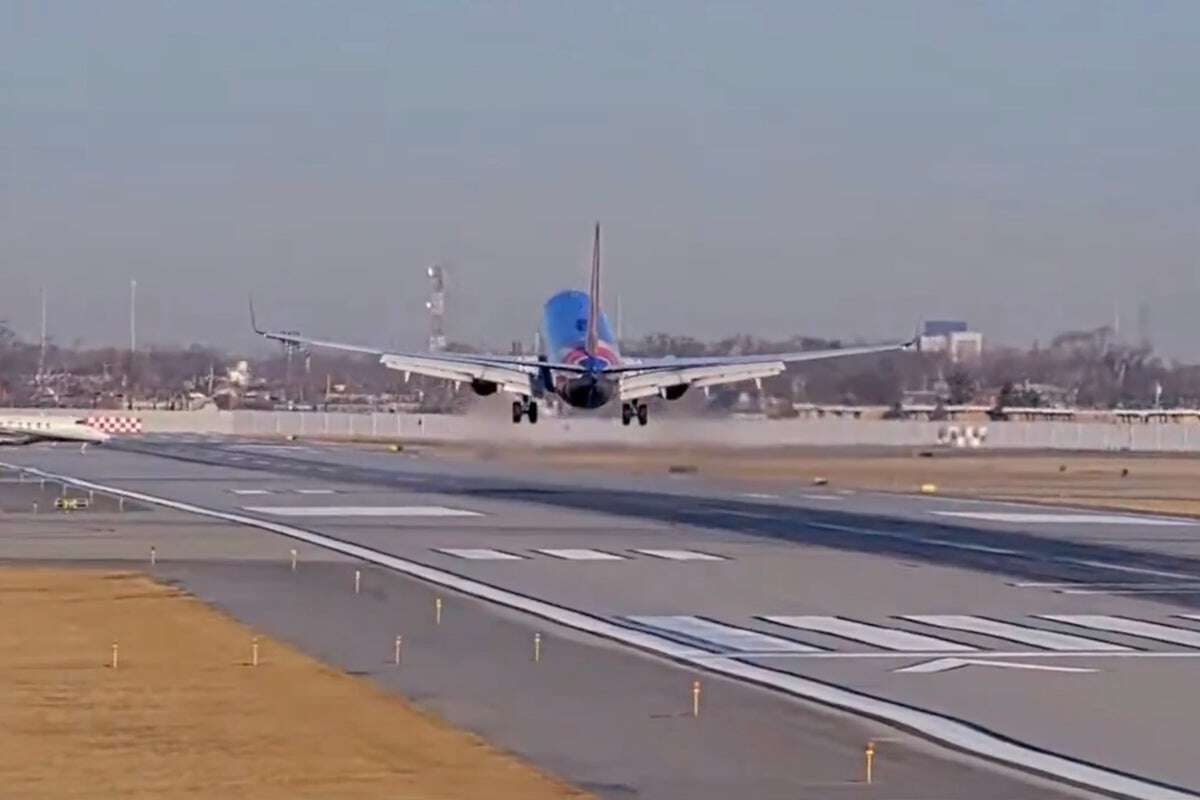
(1059, 640)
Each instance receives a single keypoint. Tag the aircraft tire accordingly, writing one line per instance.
(517, 412)
(532, 412)
(643, 414)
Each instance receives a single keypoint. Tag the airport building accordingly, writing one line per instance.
(952, 337)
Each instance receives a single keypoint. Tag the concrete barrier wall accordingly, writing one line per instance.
(734, 432)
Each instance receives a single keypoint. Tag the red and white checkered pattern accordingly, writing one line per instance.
(116, 424)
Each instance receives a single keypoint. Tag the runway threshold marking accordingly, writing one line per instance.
(362, 511)
(720, 635)
(1037, 637)
(875, 635)
(580, 554)
(478, 554)
(1130, 627)
(952, 732)
(682, 555)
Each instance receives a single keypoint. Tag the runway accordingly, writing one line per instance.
(1057, 640)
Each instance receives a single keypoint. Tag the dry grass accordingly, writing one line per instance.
(1163, 484)
(184, 716)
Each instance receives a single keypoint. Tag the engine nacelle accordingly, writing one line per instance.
(674, 392)
(484, 388)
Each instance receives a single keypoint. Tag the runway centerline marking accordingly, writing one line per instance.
(950, 731)
(1031, 518)
(362, 511)
(908, 537)
(250, 491)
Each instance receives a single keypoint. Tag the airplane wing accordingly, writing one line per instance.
(511, 373)
(13, 437)
(651, 376)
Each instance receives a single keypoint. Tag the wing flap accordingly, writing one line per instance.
(634, 386)
(514, 379)
(765, 358)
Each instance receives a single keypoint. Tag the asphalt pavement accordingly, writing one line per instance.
(1056, 640)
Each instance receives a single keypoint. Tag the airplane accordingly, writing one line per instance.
(582, 364)
(20, 429)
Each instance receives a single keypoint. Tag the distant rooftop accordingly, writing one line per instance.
(943, 327)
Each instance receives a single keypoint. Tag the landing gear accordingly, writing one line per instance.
(631, 410)
(525, 408)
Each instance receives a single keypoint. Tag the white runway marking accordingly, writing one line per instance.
(1177, 589)
(250, 491)
(681, 555)
(582, 554)
(269, 447)
(1050, 640)
(832, 498)
(1122, 568)
(978, 548)
(315, 491)
(478, 554)
(948, 664)
(1061, 518)
(727, 637)
(759, 496)
(362, 511)
(907, 537)
(953, 732)
(887, 638)
(1131, 627)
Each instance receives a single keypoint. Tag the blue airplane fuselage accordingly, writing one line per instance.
(564, 336)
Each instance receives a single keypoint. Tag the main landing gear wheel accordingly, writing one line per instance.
(626, 414)
(527, 408)
(643, 414)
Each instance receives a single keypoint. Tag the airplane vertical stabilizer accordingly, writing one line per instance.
(593, 327)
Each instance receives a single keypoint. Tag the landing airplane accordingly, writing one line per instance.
(21, 429)
(582, 364)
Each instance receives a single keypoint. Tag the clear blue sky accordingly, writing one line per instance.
(772, 168)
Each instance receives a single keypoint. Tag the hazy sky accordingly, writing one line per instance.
(829, 168)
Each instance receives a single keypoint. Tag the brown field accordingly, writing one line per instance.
(1154, 483)
(185, 716)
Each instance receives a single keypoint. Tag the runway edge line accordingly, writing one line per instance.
(935, 727)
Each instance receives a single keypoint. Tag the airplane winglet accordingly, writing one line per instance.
(254, 323)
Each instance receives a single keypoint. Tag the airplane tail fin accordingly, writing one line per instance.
(593, 328)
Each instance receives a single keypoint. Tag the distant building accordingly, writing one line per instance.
(952, 337)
